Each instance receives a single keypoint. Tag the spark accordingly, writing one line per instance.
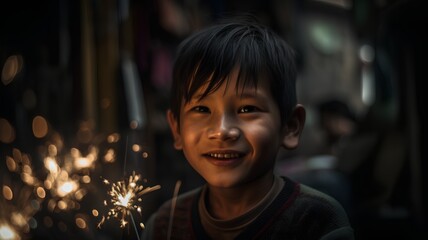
(124, 197)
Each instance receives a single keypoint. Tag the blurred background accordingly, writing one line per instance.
(85, 85)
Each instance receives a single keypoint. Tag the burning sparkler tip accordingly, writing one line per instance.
(124, 196)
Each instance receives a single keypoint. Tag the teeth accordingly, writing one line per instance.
(224, 155)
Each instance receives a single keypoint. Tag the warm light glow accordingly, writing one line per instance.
(11, 68)
(51, 205)
(40, 127)
(41, 192)
(7, 233)
(82, 162)
(112, 138)
(110, 156)
(27, 169)
(7, 192)
(10, 163)
(62, 205)
(27, 178)
(51, 165)
(7, 132)
(52, 150)
(136, 148)
(81, 223)
(133, 124)
(79, 194)
(95, 212)
(18, 219)
(86, 179)
(48, 184)
(17, 155)
(66, 188)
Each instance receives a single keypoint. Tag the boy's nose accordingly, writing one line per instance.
(224, 130)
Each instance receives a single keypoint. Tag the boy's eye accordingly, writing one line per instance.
(201, 109)
(248, 109)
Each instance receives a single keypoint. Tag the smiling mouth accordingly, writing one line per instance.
(224, 155)
(225, 159)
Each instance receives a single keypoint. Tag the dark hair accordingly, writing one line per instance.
(213, 53)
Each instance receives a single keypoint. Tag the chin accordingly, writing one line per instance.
(222, 181)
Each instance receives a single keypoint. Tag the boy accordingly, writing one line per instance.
(233, 107)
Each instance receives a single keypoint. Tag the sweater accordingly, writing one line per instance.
(297, 212)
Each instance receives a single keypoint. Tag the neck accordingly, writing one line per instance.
(228, 203)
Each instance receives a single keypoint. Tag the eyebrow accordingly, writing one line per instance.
(249, 93)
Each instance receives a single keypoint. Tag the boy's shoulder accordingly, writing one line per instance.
(301, 212)
(314, 213)
(317, 201)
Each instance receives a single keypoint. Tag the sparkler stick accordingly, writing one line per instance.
(126, 156)
(174, 202)
(135, 227)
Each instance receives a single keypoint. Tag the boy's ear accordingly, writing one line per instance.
(294, 127)
(173, 125)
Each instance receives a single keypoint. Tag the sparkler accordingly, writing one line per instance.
(124, 198)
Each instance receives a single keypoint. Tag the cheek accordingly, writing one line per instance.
(263, 135)
(191, 132)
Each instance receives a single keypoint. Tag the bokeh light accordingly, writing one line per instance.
(40, 127)
(7, 132)
(11, 68)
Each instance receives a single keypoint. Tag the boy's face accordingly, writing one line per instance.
(230, 137)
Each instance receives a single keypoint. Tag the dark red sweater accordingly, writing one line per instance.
(298, 212)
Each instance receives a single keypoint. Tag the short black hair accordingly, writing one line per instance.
(213, 53)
